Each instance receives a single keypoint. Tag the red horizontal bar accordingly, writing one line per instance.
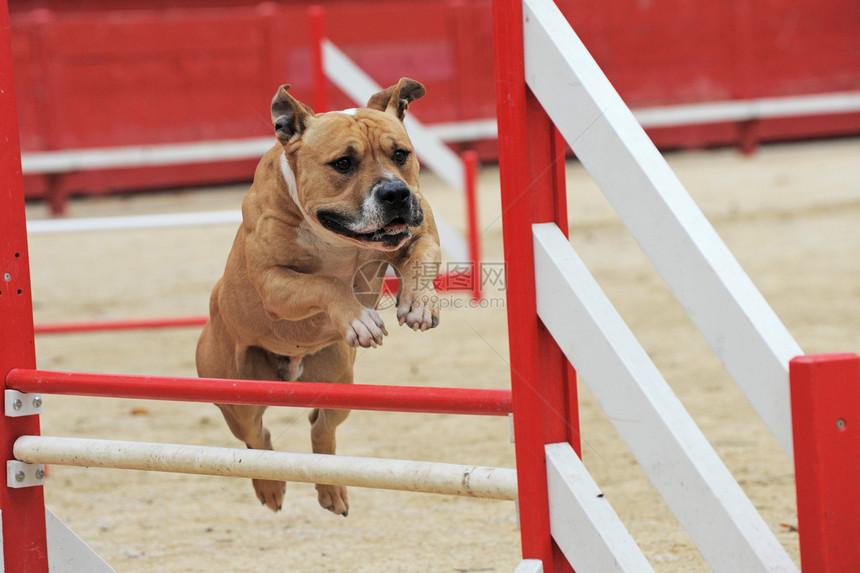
(124, 324)
(264, 393)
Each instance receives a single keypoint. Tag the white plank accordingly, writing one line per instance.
(529, 566)
(144, 155)
(431, 150)
(717, 295)
(746, 110)
(582, 522)
(67, 553)
(403, 475)
(70, 160)
(469, 130)
(155, 221)
(665, 440)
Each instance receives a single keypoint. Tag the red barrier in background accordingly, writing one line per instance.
(101, 73)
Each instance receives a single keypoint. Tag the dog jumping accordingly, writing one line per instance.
(333, 204)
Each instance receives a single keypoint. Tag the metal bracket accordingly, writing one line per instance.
(21, 404)
(21, 474)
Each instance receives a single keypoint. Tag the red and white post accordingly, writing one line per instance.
(23, 509)
(531, 161)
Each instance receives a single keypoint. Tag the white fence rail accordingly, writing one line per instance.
(379, 473)
(582, 522)
(703, 275)
(665, 440)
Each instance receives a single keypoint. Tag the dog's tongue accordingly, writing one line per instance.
(394, 226)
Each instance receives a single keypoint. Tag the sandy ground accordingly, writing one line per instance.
(790, 214)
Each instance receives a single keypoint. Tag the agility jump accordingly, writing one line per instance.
(814, 420)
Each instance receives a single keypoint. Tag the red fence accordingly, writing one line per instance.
(102, 73)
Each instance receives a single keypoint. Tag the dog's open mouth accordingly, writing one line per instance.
(390, 235)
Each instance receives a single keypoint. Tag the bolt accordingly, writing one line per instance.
(7, 276)
(40, 473)
(37, 402)
(840, 424)
(17, 404)
(19, 476)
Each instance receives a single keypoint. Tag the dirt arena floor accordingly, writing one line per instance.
(790, 213)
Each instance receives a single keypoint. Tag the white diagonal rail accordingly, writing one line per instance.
(581, 520)
(379, 473)
(667, 443)
(718, 296)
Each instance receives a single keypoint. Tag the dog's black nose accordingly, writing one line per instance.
(393, 193)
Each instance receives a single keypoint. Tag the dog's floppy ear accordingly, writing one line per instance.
(397, 98)
(289, 115)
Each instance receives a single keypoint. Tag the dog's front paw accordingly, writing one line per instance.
(367, 330)
(419, 310)
(270, 492)
(333, 498)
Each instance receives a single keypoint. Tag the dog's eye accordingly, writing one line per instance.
(342, 164)
(400, 156)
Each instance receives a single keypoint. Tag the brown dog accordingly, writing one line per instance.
(332, 204)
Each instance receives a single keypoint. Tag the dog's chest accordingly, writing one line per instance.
(324, 258)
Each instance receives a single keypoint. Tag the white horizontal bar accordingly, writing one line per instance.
(468, 130)
(582, 522)
(47, 226)
(65, 161)
(746, 110)
(665, 440)
(716, 293)
(70, 160)
(403, 475)
(144, 155)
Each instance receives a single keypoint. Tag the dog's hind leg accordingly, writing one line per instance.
(332, 364)
(323, 426)
(246, 422)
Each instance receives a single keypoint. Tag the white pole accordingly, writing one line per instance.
(378, 473)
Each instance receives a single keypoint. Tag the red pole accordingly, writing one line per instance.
(123, 324)
(470, 172)
(825, 410)
(487, 402)
(316, 19)
(23, 509)
(531, 163)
